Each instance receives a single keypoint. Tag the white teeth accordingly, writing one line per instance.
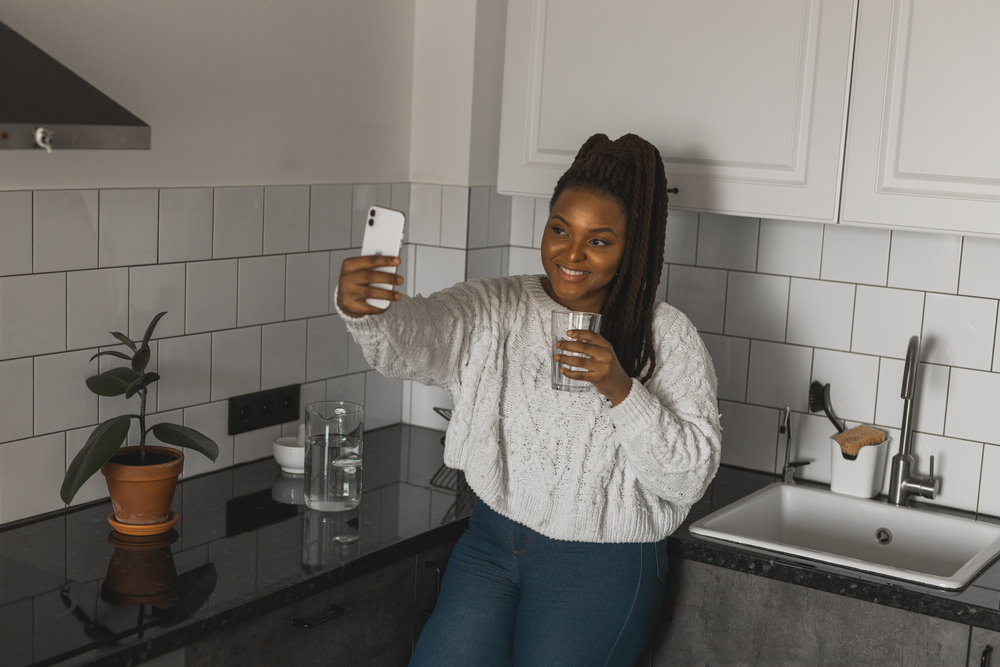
(573, 273)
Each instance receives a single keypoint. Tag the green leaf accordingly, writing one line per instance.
(101, 446)
(113, 353)
(141, 359)
(141, 382)
(123, 338)
(114, 382)
(182, 436)
(149, 329)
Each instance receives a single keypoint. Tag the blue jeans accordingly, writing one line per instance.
(512, 594)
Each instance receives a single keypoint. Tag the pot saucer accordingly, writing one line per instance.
(144, 528)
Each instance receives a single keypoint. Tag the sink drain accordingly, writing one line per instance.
(883, 536)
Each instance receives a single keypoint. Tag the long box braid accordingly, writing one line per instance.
(630, 172)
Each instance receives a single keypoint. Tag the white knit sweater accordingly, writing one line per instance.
(568, 465)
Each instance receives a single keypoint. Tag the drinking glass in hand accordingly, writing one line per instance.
(334, 450)
(563, 321)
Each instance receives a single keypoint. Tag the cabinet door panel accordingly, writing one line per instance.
(923, 143)
(744, 100)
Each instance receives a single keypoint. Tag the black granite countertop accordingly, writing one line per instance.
(73, 592)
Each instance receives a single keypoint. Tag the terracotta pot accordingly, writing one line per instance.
(142, 494)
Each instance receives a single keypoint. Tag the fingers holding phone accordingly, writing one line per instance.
(363, 280)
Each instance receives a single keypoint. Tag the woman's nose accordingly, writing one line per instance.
(576, 252)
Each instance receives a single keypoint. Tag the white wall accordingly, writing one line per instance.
(237, 92)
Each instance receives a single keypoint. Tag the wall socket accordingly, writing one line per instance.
(263, 408)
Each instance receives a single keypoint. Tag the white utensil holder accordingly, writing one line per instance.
(861, 477)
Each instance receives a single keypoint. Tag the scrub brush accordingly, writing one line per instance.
(852, 440)
(819, 399)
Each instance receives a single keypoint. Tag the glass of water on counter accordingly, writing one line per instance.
(334, 454)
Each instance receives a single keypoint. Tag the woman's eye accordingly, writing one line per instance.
(600, 243)
(557, 230)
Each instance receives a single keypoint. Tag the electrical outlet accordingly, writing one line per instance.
(263, 408)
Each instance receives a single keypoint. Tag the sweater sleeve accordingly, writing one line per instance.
(421, 338)
(669, 429)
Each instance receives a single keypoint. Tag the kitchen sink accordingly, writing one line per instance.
(916, 545)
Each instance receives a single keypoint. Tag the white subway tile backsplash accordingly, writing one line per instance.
(312, 392)
(423, 400)
(212, 420)
(348, 388)
(211, 295)
(756, 305)
(60, 383)
(727, 242)
(239, 222)
(254, 445)
(383, 401)
(749, 436)
(499, 225)
(128, 224)
(454, 216)
(363, 197)
(399, 200)
(438, 268)
(261, 290)
(931, 400)
(65, 230)
(15, 233)
(326, 348)
(286, 219)
(186, 224)
(307, 292)
(820, 313)
(541, 221)
(523, 261)
(522, 221)
(779, 375)
(479, 217)
(185, 366)
(31, 473)
(26, 328)
(680, 243)
(989, 490)
(96, 304)
(16, 408)
(424, 221)
(855, 254)
(853, 380)
(958, 331)
(731, 358)
(235, 362)
(957, 463)
(700, 294)
(356, 362)
(972, 410)
(790, 248)
(283, 354)
(483, 263)
(153, 290)
(330, 217)
(927, 262)
(980, 275)
(884, 320)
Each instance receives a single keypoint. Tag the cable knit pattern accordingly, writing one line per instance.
(568, 465)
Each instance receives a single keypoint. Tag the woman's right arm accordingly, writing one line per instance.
(418, 338)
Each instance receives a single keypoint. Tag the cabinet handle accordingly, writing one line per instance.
(673, 191)
(328, 614)
(987, 652)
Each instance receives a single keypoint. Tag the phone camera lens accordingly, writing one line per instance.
(371, 222)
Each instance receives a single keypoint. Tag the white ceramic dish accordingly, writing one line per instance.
(924, 547)
(289, 455)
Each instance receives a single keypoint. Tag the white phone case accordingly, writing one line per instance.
(383, 236)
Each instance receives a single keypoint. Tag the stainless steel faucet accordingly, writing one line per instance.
(788, 473)
(903, 485)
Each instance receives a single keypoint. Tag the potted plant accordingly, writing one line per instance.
(141, 479)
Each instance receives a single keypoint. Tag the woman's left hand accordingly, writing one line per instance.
(604, 371)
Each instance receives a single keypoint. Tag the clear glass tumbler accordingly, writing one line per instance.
(563, 321)
(334, 455)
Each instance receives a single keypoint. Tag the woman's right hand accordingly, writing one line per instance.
(357, 279)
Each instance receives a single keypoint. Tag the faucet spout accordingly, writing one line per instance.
(902, 484)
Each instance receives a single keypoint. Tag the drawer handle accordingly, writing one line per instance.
(673, 191)
(328, 614)
(987, 652)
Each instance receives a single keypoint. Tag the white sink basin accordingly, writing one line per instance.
(926, 547)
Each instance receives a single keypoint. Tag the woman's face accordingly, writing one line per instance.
(582, 249)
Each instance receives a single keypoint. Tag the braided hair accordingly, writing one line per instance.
(629, 171)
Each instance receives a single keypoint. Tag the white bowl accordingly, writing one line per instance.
(289, 455)
(289, 488)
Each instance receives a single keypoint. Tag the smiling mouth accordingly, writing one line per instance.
(571, 273)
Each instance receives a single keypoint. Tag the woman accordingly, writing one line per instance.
(564, 559)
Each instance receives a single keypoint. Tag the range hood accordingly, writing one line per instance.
(43, 105)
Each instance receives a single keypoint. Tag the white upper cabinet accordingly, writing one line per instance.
(745, 100)
(923, 147)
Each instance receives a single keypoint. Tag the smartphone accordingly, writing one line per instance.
(383, 236)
